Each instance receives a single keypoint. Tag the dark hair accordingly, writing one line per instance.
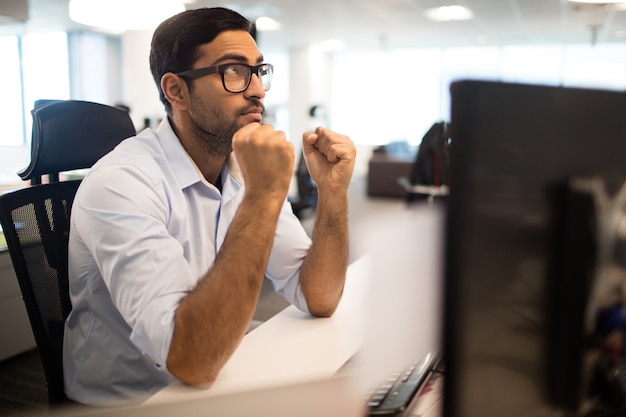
(175, 42)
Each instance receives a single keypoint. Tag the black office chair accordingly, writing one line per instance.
(306, 199)
(429, 177)
(67, 135)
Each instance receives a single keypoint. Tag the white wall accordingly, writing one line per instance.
(309, 85)
(140, 91)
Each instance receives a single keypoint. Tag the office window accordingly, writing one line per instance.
(418, 103)
(34, 66)
(595, 66)
(537, 64)
(11, 103)
(45, 70)
(383, 96)
(475, 63)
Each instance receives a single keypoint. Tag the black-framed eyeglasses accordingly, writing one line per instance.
(235, 77)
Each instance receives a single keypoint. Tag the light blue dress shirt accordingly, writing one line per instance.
(145, 227)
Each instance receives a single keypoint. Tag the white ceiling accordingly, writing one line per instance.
(395, 23)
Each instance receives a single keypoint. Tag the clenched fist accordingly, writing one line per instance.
(266, 159)
(330, 158)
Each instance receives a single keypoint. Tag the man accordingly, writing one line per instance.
(174, 231)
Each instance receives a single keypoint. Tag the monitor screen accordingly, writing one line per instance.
(533, 170)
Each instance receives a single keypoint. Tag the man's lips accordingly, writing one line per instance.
(255, 112)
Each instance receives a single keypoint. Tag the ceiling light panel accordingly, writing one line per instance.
(449, 13)
(121, 15)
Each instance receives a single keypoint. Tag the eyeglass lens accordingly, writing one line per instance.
(237, 77)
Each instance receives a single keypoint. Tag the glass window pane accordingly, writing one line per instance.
(384, 96)
(599, 66)
(45, 70)
(536, 64)
(12, 126)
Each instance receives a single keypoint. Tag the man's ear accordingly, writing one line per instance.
(175, 90)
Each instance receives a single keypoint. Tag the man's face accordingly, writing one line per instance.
(216, 113)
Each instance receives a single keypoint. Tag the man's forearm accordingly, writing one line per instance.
(212, 319)
(323, 271)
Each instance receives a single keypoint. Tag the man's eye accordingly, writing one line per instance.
(233, 70)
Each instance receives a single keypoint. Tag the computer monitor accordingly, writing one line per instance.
(533, 171)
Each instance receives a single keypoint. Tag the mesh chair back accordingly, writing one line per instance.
(35, 221)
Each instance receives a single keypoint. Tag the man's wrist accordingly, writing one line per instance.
(335, 204)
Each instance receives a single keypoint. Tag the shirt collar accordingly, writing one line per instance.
(233, 168)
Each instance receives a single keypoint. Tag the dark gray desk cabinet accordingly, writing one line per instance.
(16, 335)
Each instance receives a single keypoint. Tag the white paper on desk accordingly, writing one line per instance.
(404, 318)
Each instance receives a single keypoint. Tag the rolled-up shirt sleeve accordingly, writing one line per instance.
(291, 245)
(141, 263)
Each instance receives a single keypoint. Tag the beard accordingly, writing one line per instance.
(213, 129)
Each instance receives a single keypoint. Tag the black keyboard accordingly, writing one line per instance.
(393, 396)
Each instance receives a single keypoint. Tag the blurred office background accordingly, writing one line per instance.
(380, 69)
